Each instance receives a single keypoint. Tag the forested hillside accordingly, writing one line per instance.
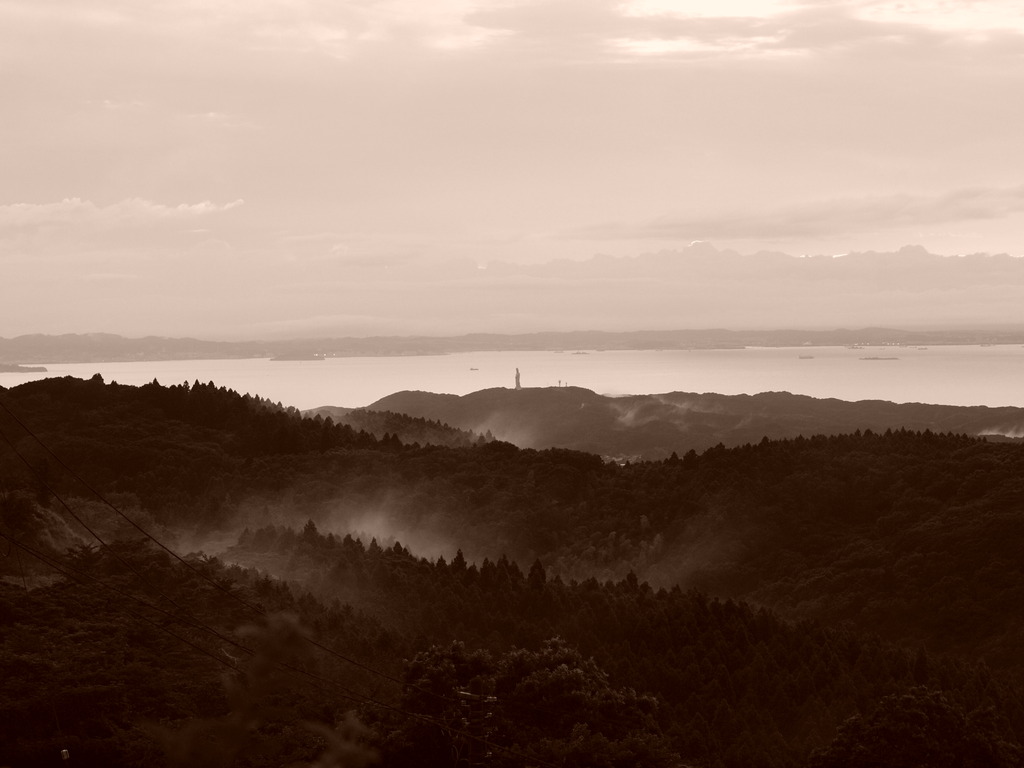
(656, 426)
(408, 429)
(670, 584)
(129, 656)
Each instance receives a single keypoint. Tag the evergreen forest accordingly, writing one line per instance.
(191, 576)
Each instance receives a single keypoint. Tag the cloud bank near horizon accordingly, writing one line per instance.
(377, 144)
(123, 213)
(698, 286)
(827, 217)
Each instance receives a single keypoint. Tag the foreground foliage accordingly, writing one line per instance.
(783, 573)
(915, 536)
(635, 676)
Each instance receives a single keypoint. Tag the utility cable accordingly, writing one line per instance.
(81, 522)
(77, 575)
(259, 611)
(193, 622)
(238, 598)
(68, 575)
(318, 681)
(254, 608)
(187, 620)
(85, 579)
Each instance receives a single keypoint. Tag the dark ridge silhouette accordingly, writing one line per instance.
(655, 426)
(409, 429)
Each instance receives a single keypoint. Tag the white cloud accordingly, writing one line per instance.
(336, 29)
(828, 217)
(641, 27)
(703, 9)
(74, 211)
(553, 114)
(963, 16)
(690, 45)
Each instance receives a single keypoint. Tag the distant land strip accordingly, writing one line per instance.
(104, 347)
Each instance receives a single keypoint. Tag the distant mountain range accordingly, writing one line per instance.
(105, 347)
(655, 426)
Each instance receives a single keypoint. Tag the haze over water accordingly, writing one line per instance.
(947, 375)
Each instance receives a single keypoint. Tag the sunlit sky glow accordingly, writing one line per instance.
(705, 10)
(272, 146)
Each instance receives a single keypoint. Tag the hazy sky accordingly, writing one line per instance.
(233, 168)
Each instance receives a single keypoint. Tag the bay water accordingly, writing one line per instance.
(949, 375)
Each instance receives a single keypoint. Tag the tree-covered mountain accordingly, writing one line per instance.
(655, 426)
(409, 429)
(678, 579)
(131, 658)
(858, 527)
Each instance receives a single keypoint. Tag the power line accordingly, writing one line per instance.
(233, 595)
(81, 522)
(77, 575)
(254, 608)
(259, 611)
(356, 696)
(46, 560)
(320, 682)
(188, 620)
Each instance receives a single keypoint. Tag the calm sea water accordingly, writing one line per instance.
(951, 375)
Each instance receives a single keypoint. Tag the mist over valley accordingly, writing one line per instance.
(386, 536)
(512, 384)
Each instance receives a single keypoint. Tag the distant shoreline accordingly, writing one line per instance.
(110, 348)
(964, 375)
